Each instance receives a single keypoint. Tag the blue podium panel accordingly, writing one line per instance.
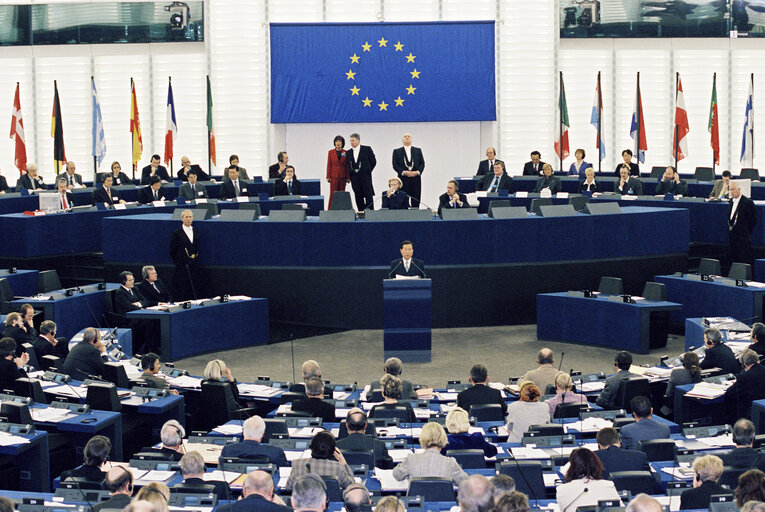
(32, 460)
(690, 408)
(561, 317)
(759, 269)
(197, 330)
(23, 282)
(407, 319)
(758, 416)
(713, 298)
(74, 313)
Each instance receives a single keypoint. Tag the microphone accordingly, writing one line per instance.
(585, 490)
(418, 268)
(560, 363)
(393, 269)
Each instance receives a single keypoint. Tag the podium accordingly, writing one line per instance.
(407, 319)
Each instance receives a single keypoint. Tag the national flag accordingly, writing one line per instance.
(562, 124)
(171, 127)
(17, 134)
(637, 126)
(747, 143)
(596, 119)
(57, 132)
(714, 123)
(680, 133)
(135, 125)
(98, 137)
(210, 131)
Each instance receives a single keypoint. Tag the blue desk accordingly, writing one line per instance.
(758, 416)
(73, 313)
(209, 328)
(690, 408)
(561, 317)
(23, 282)
(107, 424)
(407, 325)
(32, 461)
(713, 298)
(694, 333)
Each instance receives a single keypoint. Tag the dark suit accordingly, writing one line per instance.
(592, 187)
(362, 162)
(615, 459)
(221, 488)
(485, 167)
(4, 185)
(252, 449)
(146, 195)
(100, 195)
(530, 170)
(720, 356)
(505, 182)
(273, 172)
(444, 202)
(92, 473)
(25, 181)
(84, 359)
(21, 336)
(227, 190)
(253, 503)
(117, 502)
(551, 182)
(699, 497)
(607, 397)
(480, 394)
(740, 228)
(76, 179)
(632, 186)
(362, 442)
(185, 255)
(152, 296)
(749, 386)
(465, 441)
(758, 347)
(121, 179)
(643, 430)
(412, 185)
(201, 175)
(146, 174)
(397, 201)
(397, 267)
(199, 191)
(43, 347)
(744, 457)
(634, 169)
(316, 407)
(407, 390)
(672, 187)
(281, 189)
(124, 299)
(145, 332)
(9, 372)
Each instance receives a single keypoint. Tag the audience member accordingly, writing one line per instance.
(475, 494)
(394, 366)
(749, 386)
(614, 457)
(430, 462)
(548, 181)
(545, 373)
(526, 412)
(751, 487)
(309, 494)
(706, 473)
(314, 404)
(288, 185)
(278, 169)
(589, 184)
(233, 161)
(501, 485)
(514, 501)
(171, 435)
(157, 494)
(151, 366)
(390, 504)
(480, 393)
(310, 369)
(154, 169)
(743, 455)
(628, 185)
(579, 167)
(188, 168)
(758, 338)
(534, 166)
(119, 482)
(356, 496)
(257, 495)
(394, 198)
(152, 192)
(217, 371)
(622, 362)
(644, 503)
(690, 373)
(10, 365)
(193, 470)
(497, 179)
(118, 177)
(644, 428)
(251, 446)
(325, 461)
(585, 484)
(234, 186)
(753, 506)
(487, 166)
(358, 440)
(152, 288)
(671, 183)
(633, 168)
(564, 394)
(721, 189)
(458, 425)
(16, 328)
(46, 344)
(717, 354)
(95, 454)
(87, 357)
(452, 198)
(191, 191)
(391, 392)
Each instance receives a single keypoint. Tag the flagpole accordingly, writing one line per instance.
(560, 122)
(677, 80)
(600, 122)
(131, 132)
(751, 128)
(638, 109)
(95, 161)
(170, 81)
(58, 164)
(714, 89)
(209, 160)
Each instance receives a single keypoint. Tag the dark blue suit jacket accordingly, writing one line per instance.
(474, 441)
(398, 201)
(250, 449)
(643, 430)
(254, 503)
(397, 267)
(615, 459)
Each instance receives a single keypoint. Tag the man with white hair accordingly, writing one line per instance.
(476, 494)
(644, 503)
(30, 180)
(742, 216)
(310, 369)
(171, 435)
(193, 469)
(257, 496)
(309, 493)
(252, 448)
(409, 164)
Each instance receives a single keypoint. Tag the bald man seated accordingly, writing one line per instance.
(257, 496)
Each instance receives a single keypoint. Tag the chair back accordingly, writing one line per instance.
(655, 291)
(611, 286)
(358, 457)
(48, 281)
(80, 482)
(33, 361)
(538, 203)
(634, 481)
(289, 396)
(658, 449)
(730, 476)
(31, 388)
(657, 171)
(333, 489)
(498, 203)
(487, 412)
(50, 362)
(341, 200)
(547, 430)
(116, 374)
(569, 410)
(343, 431)
(709, 267)
(750, 173)
(742, 271)
(704, 174)
(578, 202)
(102, 396)
(468, 459)
(528, 477)
(6, 296)
(629, 389)
(215, 398)
(432, 489)
(111, 317)
(375, 396)
(397, 411)
(254, 207)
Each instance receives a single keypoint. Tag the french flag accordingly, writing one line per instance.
(171, 126)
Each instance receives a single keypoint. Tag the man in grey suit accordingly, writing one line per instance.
(622, 362)
(393, 366)
(545, 374)
(721, 189)
(73, 179)
(191, 190)
(644, 428)
(151, 366)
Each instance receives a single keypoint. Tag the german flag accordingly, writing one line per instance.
(57, 132)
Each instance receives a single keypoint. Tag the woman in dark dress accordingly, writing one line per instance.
(458, 425)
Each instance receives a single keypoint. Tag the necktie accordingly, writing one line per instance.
(64, 203)
(70, 181)
(236, 186)
(193, 191)
(156, 196)
(406, 266)
(109, 193)
(494, 184)
(289, 187)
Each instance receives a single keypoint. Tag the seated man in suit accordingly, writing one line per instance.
(357, 440)
(171, 435)
(406, 265)
(193, 471)
(628, 185)
(94, 456)
(233, 187)
(233, 160)
(105, 193)
(46, 343)
(452, 198)
(288, 185)
(644, 428)
(671, 183)
(151, 366)
(152, 288)
(30, 180)
(548, 181)
(119, 482)
(757, 337)
(717, 354)
(393, 366)
(127, 298)
(192, 190)
(487, 166)
(634, 169)
(277, 170)
(744, 455)
(154, 169)
(310, 369)
(314, 404)
(622, 362)
(66, 197)
(251, 447)
(749, 386)
(545, 373)
(71, 177)
(187, 166)
(497, 179)
(11, 365)
(706, 472)
(258, 496)
(87, 357)
(151, 193)
(614, 457)
(721, 189)
(480, 393)
(534, 167)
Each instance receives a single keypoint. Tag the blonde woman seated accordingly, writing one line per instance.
(217, 371)
(564, 394)
(394, 198)
(526, 412)
(326, 461)
(585, 484)
(430, 463)
(390, 504)
(458, 425)
(392, 388)
(155, 493)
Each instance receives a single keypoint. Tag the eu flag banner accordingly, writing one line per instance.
(382, 72)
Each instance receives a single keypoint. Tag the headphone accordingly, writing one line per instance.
(360, 487)
(317, 478)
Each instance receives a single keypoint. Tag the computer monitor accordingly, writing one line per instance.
(49, 201)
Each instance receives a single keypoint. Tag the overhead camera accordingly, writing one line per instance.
(180, 12)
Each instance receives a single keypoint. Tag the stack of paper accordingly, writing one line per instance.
(683, 472)
(209, 452)
(340, 395)
(398, 455)
(707, 390)
(388, 483)
(70, 391)
(257, 390)
(229, 429)
(7, 439)
(297, 454)
(51, 414)
(528, 452)
(591, 424)
(185, 381)
(421, 413)
(221, 476)
(307, 432)
(284, 474)
(446, 396)
(591, 387)
(155, 476)
(717, 441)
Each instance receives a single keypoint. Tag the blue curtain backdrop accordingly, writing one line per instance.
(382, 72)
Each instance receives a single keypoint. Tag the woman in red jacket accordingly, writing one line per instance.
(337, 168)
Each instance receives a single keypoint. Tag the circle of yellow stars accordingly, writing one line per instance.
(367, 47)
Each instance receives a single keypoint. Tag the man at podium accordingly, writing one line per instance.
(406, 266)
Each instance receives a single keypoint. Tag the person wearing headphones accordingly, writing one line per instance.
(10, 365)
(744, 455)
(258, 495)
(151, 365)
(325, 461)
(358, 440)
(171, 435)
(706, 472)
(251, 447)
(717, 354)
(217, 371)
(277, 170)
(87, 357)
(95, 454)
(355, 496)
(394, 366)
(309, 494)
(119, 482)
(193, 471)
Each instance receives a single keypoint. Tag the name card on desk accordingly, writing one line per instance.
(158, 204)
(242, 199)
(201, 200)
(521, 194)
(120, 206)
(562, 195)
(628, 198)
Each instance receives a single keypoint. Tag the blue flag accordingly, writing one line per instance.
(382, 72)
(98, 138)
